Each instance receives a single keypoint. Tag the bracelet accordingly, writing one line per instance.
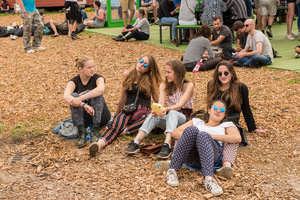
(83, 104)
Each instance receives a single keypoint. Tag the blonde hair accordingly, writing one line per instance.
(81, 60)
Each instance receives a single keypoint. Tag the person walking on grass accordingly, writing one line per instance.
(31, 17)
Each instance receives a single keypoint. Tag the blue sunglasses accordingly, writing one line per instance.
(221, 109)
(145, 64)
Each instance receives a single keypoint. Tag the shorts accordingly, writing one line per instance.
(267, 5)
(73, 12)
(127, 4)
(291, 1)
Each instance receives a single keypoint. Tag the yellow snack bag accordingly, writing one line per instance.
(156, 107)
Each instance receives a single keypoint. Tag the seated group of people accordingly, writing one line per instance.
(208, 143)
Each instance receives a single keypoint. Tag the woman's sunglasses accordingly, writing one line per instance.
(221, 109)
(145, 64)
(225, 73)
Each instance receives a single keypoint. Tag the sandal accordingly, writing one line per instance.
(54, 35)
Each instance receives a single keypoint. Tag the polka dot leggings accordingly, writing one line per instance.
(196, 149)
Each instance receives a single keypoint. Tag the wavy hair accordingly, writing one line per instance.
(145, 81)
(204, 30)
(232, 93)
(179, 69)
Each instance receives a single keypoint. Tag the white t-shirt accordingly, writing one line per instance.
(213, 130)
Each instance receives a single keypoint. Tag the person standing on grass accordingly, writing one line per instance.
(268, 8)
(31, 17)
(74, 17)
(127, 4)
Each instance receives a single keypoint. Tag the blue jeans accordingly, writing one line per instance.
(249, 7)
(256, 59)
(170, 20)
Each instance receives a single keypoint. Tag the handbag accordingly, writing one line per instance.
(152, 148)
(131, 108)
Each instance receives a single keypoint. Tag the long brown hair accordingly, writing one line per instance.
(204, 30)
(205, 116)
(179, 69)
(145, 81)
(232, 93)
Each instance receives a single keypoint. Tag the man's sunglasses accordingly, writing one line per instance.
(145, 64)
(247, 25)
(221, 109)
(225, 73)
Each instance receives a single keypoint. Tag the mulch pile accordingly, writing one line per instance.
(31, 89)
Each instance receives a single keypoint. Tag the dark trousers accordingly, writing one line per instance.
(102, 114)
(207, 64)
(135, 34)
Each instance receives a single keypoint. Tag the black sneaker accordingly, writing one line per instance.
(118, 37)
(173, 42)
(74, 36)
(185, 40)
(237, 64)
(165, 152)
(133, 148)
(269, 32)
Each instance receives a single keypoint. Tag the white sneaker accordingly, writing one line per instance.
(172, 178)
(13, 37)
(212, 186)
(29, 51)
(290, 37)
(297, 55)
(40, 48)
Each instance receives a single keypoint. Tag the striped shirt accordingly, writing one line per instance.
(238, 9)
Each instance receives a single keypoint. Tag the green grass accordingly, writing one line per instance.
(2, 128)
(293, 81)
(285, 48)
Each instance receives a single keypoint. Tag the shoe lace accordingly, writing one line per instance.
(172, 176)
(212, 184)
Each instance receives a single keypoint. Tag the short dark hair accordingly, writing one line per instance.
(98, 3)
(237, 25)
(215, 18)
(142, 11)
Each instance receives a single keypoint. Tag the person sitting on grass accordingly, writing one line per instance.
(179, 92)
(258, 50)
(84, 94)
(198, 49)
(200, 146)
(98, 21)
(140, 30)
(138, 86)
